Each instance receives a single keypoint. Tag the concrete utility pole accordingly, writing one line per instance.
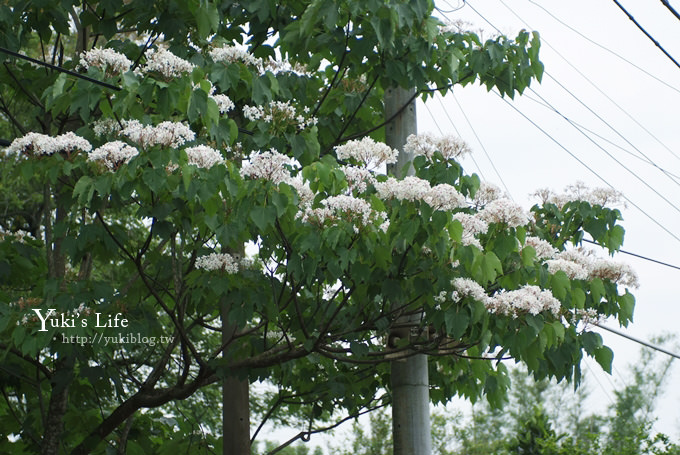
(409, 376)
(235, 404)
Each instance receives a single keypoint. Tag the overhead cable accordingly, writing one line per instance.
(630, 16)
(616, 54)
(665, 229)
(644, 343)
(59, 68)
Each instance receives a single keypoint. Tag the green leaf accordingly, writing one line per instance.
(604, 356)
(263, 217)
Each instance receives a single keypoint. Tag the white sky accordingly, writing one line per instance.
(527, 159)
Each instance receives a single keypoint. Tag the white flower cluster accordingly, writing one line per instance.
(113, 154)
(358, 178)
(618, 272)
(219, 261)
(543, 248)
(427, 144)
(348, 208)
(472, 226)
(167, 64)
(410, 188)
(587, 316)
(19, 235)
(105, 59)
(284, 66)
(233, 54)
(528, 299)
(304, 192)
(504, 211)
(466, 287)
(367, 152)
(224, 103)
(42, 144)
(444, 197)
(580, 264)
(166, 134)
(604, 197)
(280, 114)
(203, 156)
(269, 165)
(106, 126)
(486, 193)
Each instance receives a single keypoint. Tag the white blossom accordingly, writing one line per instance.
(604, 197)
(487, 192)
(303, 190)
(544, 250)
(528, 299)
(166, 134)
(472, 226)
(358, 178)
(113, 154)
(618, 272)
(224, 103)
(410, 188)
(575, 263)
(42, 144)
(504, 211)
(280, 114)
(233, 54)
(573, 270)
(105, 59)
(167, 64)
(344, 207)
(367, 152)
(104, 127)
(218, 261)
(427, 144)
(269, 165)
(203, 156)
(466, 287)
(444, 197)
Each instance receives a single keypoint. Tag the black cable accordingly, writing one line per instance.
(597, 87)
(58, 68)
(630, 16)
(670, 8)
(481, 144)
(639, 256)
(630, 171)
(644, 343)
(674, 177)
(5, 143)
(585, 165)
(597, 44)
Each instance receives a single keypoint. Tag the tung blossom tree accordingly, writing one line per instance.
(260, 125)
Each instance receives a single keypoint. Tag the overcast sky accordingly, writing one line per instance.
(589, 85)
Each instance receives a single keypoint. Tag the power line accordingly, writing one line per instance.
(639, 256)
(624, 111)
(670, 8)
(636, 340)
(586, 166)
(59, 68)
(480, 143)
(600, 45)
(641, 180)
(675, 177)
(453, 124)
(630, 16)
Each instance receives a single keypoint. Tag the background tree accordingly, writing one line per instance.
(543, 418)
(191, 129)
